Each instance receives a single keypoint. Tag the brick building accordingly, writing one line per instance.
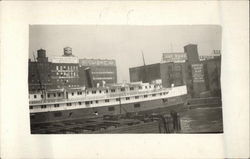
(168, 73)
(96, 71)
(212, 72)
(59, 73)
(201, 77)
(65, 70)
(39, 75)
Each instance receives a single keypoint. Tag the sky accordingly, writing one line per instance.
(124, 44)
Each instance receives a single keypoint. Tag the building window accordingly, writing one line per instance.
(106, 100)
(137, 105)
(112, 90)
(80, 103)
(41, 96)
(160, 94)
(54, 95)
(122, 89)
(107, 91)
(91, 102)
(72, 94)
(56, 105)
(127, 98)
(100, 91)
(43, 106)
(145, 96)
(48, 95)
(93, 92)
(34, 96)
(117, 99)
(111, 108)
(69, 104)
(59, 94)
(140, 87)
(96, 101)
(136, 97)
(131, 88)
(31, 107)
(153, 95)
(87, 103)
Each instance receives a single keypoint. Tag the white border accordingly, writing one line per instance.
(16, 141)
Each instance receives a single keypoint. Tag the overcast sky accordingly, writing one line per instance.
(123, 43)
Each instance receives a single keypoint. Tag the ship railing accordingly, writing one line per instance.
(50, 101)
(112, 95)
(121, 94)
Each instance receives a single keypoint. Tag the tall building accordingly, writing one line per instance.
(169, 73)
(147, 73)
(200, 77)
(212, 73)
(39, 77)
(65, 70)
(97, 71)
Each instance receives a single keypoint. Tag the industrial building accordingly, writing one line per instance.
(201, 77)
(65, 70)
(39, 77)
(97, 72)
(62, 72)
(168, 73)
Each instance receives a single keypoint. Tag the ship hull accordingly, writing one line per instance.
(86, 113)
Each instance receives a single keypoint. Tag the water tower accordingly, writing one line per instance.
(67, 51)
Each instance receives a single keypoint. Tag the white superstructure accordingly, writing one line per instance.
(63, 99)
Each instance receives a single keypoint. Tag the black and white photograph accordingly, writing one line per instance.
(125, 79)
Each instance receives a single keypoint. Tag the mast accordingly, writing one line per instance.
(144, 68)
(120, 104)
(143, 58)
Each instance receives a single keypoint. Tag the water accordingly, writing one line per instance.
(202, 120)
(196, 120)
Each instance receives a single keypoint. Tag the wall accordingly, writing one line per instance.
(39, 75)
(65, 75)
(213, 74)
(146, 73)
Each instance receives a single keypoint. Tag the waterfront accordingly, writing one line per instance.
(205, 118)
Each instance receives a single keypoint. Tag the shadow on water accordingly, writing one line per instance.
(202, 120)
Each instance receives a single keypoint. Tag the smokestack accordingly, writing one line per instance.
(89, 77)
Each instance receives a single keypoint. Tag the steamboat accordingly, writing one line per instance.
(80, 103)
